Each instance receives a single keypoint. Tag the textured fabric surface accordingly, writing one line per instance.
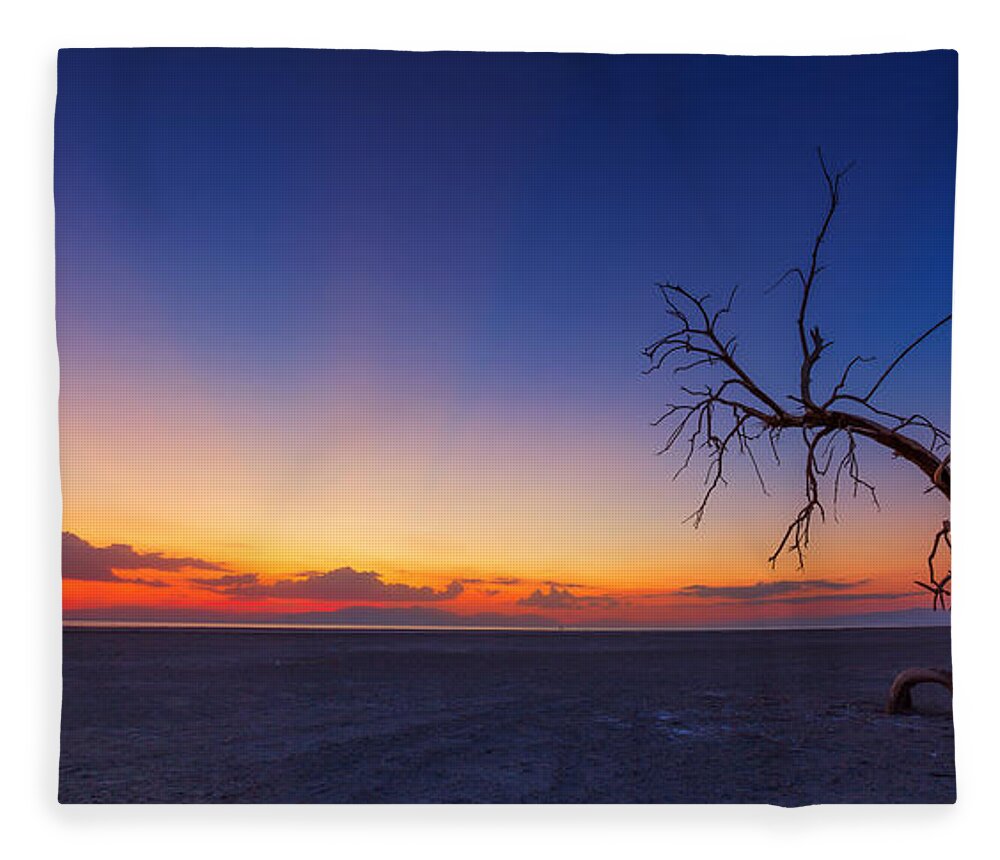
(505, 428)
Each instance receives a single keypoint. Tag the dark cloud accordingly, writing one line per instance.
(221, 583)
(769, 591)
(498, 580)
(563, 598)
(840, 598)
(345, 583)
(83, 561)
(139, 580)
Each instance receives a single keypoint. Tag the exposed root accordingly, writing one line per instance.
(900, 699)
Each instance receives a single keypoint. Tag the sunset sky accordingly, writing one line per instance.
(344, 329)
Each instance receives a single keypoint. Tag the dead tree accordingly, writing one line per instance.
(734, 413)
(900, 700)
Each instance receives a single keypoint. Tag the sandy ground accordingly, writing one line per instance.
(789, 718)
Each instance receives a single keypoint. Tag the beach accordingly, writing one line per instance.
(787, 717)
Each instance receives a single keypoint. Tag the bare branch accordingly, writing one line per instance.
(903, 354)
(938, 588)
(840, 386)
(732, 412)
(796, 536)
(811, 353)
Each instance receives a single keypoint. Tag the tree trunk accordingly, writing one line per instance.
(900, 701)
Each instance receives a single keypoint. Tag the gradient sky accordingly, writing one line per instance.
(354, 328)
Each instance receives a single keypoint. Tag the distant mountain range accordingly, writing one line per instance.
(432, 616)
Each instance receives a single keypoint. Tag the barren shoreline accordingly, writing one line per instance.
(782, 717)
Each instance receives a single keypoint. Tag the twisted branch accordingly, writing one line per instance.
(735, 413)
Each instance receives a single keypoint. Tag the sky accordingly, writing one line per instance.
(356, 336)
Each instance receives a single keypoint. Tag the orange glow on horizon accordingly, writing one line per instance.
(536, 497)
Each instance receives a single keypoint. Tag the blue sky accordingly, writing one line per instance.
(288, 240)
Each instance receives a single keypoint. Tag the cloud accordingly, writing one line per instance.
(83, 561)
(345, 583)
(221, 583)
(563, 598)
(842, 598)
(140, 580)
(497, 580)
(771, 591)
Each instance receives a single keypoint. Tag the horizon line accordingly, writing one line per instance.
(440, 628)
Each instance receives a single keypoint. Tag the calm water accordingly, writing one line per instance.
(786, 717)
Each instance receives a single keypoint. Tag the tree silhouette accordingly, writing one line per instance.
(734, 414)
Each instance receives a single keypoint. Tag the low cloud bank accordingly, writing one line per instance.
(769, 590)
(563, 598)
(345, 583)
(84, 561)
